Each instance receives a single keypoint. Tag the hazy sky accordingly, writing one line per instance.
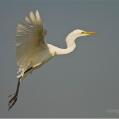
(84, 83)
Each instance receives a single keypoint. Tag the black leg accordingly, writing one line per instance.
(14, 96)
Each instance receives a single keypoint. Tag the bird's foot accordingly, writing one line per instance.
(12, 101)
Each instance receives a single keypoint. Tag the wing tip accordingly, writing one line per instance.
(31, 12)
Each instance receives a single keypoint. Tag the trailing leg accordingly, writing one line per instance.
(14, 96)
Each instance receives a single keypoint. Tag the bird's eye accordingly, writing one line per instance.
(82, 32)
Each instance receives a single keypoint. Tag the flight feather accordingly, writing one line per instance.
(28, 37)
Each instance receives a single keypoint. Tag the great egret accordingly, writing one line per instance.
(32, 51)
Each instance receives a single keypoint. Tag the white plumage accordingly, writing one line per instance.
(32, 51)
(30, 44)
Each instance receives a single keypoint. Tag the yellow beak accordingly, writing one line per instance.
(88, 32)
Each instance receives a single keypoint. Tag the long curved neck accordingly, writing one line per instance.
(70, 41)
(68, 50)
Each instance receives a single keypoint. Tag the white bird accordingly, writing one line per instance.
(32, 51)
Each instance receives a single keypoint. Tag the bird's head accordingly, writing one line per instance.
(79, 33)
(75, 34)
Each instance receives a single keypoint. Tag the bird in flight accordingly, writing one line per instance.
(32, 51)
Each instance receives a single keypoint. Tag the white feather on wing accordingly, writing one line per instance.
(28, 37)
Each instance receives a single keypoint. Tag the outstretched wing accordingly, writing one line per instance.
(29, 37)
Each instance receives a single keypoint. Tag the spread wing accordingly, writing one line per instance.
(28, 37)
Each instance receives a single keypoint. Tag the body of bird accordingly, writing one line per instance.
(32, 51)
